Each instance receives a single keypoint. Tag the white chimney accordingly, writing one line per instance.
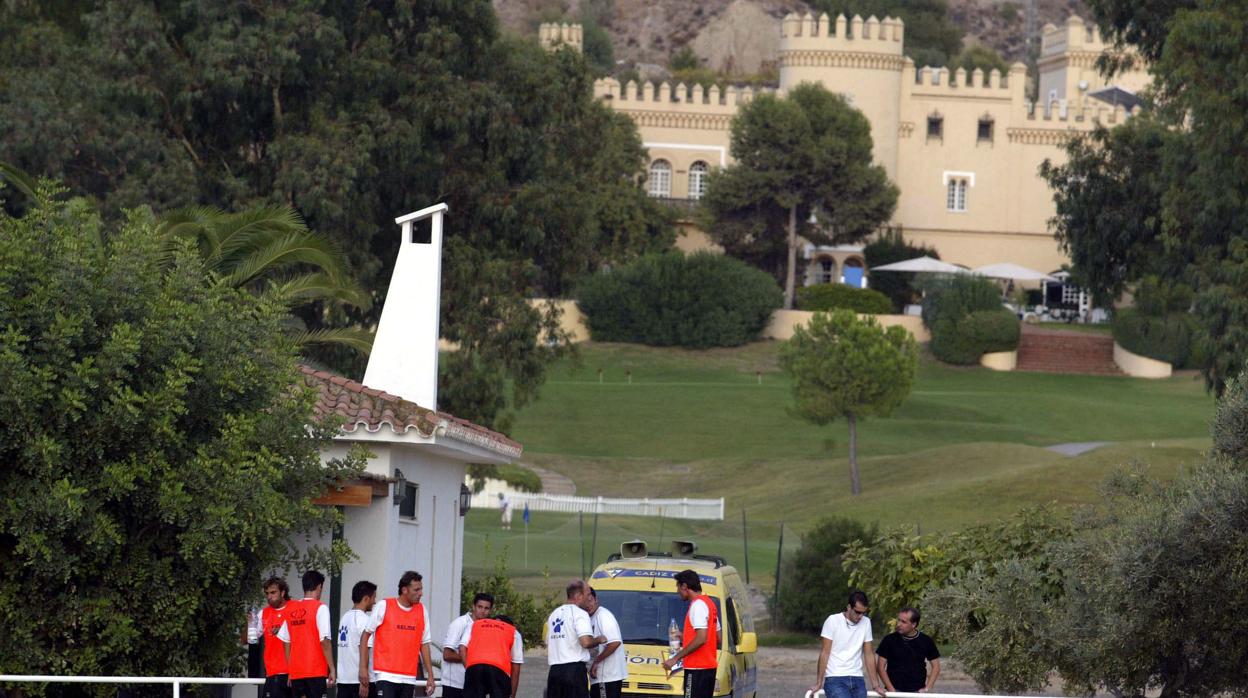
(404, 359)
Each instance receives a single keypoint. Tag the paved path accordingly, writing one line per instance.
(1077, 448)
(552, 482)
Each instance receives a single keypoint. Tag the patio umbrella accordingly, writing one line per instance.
(922, 265)
(1012, 271)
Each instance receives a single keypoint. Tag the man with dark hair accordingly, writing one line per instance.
(276, 673)
(493, 653)
(309, 641)
(452, 659)
(609, 667)
(902, 659)
(353, 624)
(399, 628)
(700, 639)
(847, 651)
(569, 636)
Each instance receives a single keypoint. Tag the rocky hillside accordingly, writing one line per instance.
(740, 36)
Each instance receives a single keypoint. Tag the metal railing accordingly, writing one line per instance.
(175, 681)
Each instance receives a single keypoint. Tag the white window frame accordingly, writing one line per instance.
(956, 184)
(697, 179)
(660, 179)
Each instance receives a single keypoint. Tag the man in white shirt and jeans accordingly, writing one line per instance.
(353, 624)
(569, 637)
(609, 667)
(452, 658)
(846, 643)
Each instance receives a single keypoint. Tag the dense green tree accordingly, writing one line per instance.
(813, 583)
(351, 114)
(979, 56)
(801, 157)
(931, 37)
(1189, 171)
(892, 247)
(844, 367)
(158, 451)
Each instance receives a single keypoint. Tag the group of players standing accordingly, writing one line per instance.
(383, 645)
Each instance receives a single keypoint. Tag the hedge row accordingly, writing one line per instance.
(967, 320)
(697, 301)
(825, 297)
(1172, 337)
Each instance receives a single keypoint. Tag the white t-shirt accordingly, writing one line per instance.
(699, 614)
(564, 629)
(517, 647)
(374, 622)
(847, 641)
(453, 672)
(323, 630)
(354, 622)
(614, 667)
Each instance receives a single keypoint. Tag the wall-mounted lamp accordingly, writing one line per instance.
(465, 499)
(400, 487)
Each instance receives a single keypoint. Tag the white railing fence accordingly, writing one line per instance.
(175, 681)
(683, 508)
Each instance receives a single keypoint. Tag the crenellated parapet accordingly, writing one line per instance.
(552, 35)
(675, 106)
(1075, 36)
(823, 42)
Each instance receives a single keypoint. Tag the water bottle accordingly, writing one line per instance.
(673, 637)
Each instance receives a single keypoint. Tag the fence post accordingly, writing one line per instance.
(745, 536)
(684, 507)
(779, 556)
(177, 692)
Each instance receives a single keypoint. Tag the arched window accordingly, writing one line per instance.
(854, 273)
(661, 178)
(697, 179)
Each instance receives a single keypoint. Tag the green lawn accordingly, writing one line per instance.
(966, 447)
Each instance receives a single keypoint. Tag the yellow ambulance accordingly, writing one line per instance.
(637, 586)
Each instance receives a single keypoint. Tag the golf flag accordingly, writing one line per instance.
(526, 512)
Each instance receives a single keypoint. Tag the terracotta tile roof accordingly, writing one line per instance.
(371, 409)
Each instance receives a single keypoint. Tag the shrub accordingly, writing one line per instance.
(1166, 338)
(813, 583)
(956, 297)
(823, 297)
(964, 341)
(897, 285)
(528, 611)
(698, 301)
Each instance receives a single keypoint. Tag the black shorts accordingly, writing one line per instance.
(699, 683)
(452, 692)
(351, 690)
(608, 689)
(275, 686)
(390, 689)
(481, 680)
(567, 681)
(312, 687)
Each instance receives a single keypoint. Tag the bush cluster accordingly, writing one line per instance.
(981, 332)
(1168, 337)
(967, 320)
(697, 301)
(824, 297)
(813, 582)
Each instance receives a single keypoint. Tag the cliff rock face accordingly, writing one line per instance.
(742, 36)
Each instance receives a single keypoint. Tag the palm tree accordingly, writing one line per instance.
(270, 251)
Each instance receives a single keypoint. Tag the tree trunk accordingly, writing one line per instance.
(855, 485)
(790, 272)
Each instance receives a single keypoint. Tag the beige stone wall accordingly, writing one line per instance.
(1068, 56)
(783, 322)
(553, 35)
(1008, 205)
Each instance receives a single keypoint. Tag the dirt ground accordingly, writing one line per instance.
(783, 672)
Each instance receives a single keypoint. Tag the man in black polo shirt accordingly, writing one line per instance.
(901, 656)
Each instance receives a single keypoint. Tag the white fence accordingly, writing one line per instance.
(684, 508)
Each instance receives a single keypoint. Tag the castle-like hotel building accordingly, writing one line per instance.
(964, 148)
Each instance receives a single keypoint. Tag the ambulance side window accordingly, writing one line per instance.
(734, 627)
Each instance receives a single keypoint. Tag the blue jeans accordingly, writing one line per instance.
(844, 687)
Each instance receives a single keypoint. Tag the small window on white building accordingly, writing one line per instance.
(661, 179)
(407, 507)
(956, 197)
(697, 179)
